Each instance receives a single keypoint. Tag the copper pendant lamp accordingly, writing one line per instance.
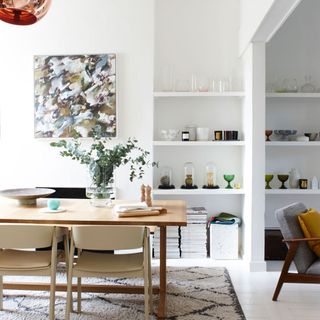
(23, 12)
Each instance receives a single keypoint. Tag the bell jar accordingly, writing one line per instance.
(166, 178)
(189, 176)
(210, 176)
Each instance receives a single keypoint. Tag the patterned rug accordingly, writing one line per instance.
(194, 293)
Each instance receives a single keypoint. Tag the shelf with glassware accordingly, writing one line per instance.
(177, 94)
(161, 143)
(292, 143)
(293, 95)
(194, 192)
(292, 191)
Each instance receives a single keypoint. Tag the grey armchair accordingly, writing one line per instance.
(306, 262)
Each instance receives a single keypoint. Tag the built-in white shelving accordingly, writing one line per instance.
(292, 191)
(198, 143)
(293, 144)
(164, 94)
(198, 191)
(293, 95)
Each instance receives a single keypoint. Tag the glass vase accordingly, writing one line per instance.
(99, 187)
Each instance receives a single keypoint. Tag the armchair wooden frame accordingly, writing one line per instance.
(293, 277)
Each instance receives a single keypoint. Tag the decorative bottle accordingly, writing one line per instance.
(294, 177)
(314, 183)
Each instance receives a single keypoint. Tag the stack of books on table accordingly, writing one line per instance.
(173, 237)
(194, 235)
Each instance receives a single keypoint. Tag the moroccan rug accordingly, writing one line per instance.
(194, 293)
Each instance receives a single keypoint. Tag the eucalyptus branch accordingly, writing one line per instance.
(99, 157)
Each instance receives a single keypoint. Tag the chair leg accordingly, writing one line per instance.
(66, 249)
(293, 246)
(69, 307)
(1, 292)
(53, 273)
(79, 295)
(150, 284)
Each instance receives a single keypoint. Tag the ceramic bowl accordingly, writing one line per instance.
(285, 133)
(169, 134)
(311, 135)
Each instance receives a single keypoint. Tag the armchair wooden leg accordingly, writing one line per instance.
(293, 246)
(1, 292)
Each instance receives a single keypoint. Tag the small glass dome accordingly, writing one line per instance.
(189, 176)
(210, 180)
(166, 178)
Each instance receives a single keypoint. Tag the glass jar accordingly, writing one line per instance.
(192, 131)
(189, 176)
(210, 181)
(166, 178)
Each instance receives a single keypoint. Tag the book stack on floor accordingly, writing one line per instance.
(173, 237)
(194, 235)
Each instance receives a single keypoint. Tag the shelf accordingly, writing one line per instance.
(292, 191)
(293, 144)
(293, 95)
(198, 191)
(198, 143)
(176, 94)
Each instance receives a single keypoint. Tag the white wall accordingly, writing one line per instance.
(197, 37)
(124, 27)
(251, 16)
(294, 50)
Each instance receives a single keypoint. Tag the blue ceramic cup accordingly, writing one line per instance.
(53, 204)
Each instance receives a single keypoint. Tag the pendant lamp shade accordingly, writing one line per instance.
(23, 12)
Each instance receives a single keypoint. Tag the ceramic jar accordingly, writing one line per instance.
(294, 177)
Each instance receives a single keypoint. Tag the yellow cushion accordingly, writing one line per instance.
(310, 225)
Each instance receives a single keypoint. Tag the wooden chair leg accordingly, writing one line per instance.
(53, 276)
(69, 307)
(293, 246)
(66, 249)
(1, 292)
(150, 283)
(79, 295)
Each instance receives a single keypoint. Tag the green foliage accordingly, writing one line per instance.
(102, 160)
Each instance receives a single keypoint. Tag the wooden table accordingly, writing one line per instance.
(80, 212)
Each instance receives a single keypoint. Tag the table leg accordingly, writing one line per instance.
(163, 274)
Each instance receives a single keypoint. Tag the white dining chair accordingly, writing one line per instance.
(105, 264)
(16, 258)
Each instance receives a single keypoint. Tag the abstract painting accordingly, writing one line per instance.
(74, 94)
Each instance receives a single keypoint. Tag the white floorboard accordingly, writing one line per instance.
(255, 290)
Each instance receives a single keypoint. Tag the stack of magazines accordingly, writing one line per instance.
(173, 250)
(194, 235)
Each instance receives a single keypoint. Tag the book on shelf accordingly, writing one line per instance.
(193, 237)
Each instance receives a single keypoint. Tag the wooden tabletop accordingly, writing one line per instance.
(81, 212)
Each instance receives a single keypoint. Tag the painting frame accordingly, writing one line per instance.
(75, 93)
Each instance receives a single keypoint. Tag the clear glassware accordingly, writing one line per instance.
(203, 84)
(308, 85)
(293, 85)
(168, 78)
